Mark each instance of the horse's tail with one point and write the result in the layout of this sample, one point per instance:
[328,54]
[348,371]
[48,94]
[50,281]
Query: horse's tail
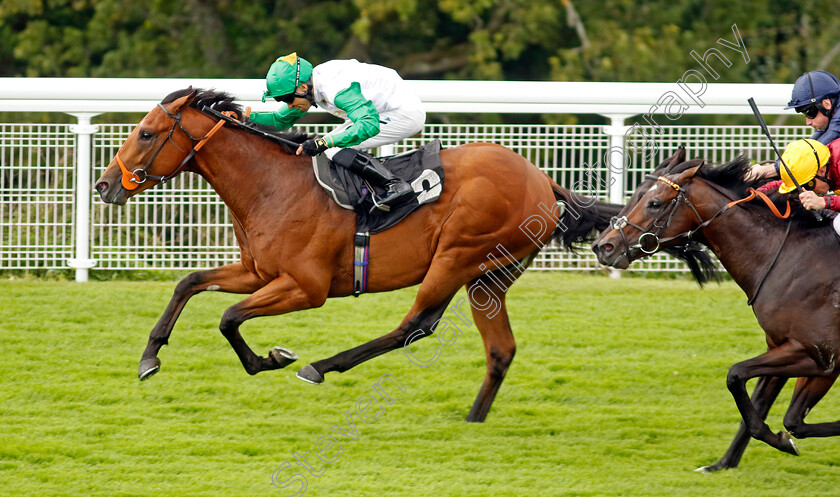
[581,218]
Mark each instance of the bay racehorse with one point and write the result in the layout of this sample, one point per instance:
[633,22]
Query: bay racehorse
[496,212]
[785,265]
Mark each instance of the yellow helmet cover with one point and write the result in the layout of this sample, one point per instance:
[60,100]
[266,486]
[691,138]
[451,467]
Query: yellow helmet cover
[804,158]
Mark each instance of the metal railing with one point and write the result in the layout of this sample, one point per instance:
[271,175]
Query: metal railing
[50,219]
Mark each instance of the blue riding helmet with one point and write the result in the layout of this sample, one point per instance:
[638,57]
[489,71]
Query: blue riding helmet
[813,87]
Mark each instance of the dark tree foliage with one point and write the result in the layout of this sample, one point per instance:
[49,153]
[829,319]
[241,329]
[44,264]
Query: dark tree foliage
[611,40]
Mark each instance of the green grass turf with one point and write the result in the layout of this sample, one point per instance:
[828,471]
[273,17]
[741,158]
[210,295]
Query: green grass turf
[618,388]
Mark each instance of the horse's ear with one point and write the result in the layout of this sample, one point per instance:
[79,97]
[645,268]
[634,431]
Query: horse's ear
[683,166]
[689,173]
[678,157]
[176,105]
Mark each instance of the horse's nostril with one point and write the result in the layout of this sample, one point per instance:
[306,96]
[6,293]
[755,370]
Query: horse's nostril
[101,186]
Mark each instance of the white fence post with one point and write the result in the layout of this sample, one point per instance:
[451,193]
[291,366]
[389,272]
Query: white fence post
[83,131]
[617,130]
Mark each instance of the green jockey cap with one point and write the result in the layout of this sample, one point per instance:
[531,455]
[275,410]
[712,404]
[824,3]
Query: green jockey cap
[285,75]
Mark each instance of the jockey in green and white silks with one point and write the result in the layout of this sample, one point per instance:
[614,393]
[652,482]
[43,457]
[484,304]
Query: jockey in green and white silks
[376,104]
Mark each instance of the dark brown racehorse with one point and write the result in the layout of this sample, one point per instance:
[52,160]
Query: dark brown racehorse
[494,215]
[785,266]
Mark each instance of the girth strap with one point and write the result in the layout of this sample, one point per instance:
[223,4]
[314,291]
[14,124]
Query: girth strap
[770,266]
[361,242]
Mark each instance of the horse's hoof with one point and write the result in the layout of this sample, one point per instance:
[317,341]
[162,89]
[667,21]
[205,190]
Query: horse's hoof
[148,367]
[786,444]
[714,468]
[308,373]
[282,356]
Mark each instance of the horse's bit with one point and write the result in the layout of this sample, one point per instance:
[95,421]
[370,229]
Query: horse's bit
[619,223]
[131,180]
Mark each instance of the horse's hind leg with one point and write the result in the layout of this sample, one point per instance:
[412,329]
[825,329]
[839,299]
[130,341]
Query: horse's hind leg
[806,394]
[438,287]
[233,278]
[492,321]
[766,390]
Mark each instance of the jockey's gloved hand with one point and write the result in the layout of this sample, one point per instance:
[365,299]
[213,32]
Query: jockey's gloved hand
[250,124]
[314,146]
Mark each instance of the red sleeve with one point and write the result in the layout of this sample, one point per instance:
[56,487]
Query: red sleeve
[835,203]
[770,187]
[833,169]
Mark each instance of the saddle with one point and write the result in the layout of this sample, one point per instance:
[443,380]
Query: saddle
[421,168]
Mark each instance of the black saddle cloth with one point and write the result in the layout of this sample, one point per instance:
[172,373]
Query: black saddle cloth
[421,168]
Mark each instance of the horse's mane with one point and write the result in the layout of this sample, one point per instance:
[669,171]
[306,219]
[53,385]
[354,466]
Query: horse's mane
[223,101]
[732,177]
[698,259]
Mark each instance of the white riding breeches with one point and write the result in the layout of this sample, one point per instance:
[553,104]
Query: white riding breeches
[394,125]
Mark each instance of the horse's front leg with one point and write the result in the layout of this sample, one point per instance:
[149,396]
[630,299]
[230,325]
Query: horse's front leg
[765,393]
[283,294]
[233,278]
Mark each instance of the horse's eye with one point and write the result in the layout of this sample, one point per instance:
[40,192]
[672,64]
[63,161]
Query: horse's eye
[145,135]
[654,204]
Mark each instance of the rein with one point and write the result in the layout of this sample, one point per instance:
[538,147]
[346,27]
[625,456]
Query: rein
[248,127]
[131,180]
[753,194]
[618,223]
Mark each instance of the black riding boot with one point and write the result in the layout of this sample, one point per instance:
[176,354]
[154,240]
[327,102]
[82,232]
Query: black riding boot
[370,169]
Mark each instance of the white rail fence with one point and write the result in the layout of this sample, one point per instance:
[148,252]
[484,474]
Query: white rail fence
[51,219]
